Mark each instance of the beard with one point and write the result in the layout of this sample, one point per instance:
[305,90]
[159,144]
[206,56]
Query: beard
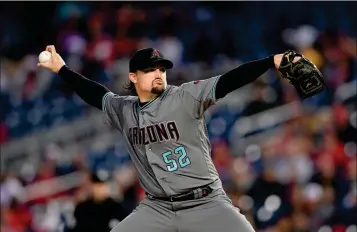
[157,90]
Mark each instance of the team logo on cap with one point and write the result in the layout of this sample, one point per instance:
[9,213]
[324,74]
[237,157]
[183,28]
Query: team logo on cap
[155,54]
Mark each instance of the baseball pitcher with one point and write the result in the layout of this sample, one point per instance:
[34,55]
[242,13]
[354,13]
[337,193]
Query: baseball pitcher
[165,133]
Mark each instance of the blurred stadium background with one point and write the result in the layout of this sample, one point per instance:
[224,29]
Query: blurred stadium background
[288,165]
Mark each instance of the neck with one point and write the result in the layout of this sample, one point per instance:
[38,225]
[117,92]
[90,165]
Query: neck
[146,97]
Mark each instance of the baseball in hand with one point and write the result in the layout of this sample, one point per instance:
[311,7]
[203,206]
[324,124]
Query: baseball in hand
[44,57]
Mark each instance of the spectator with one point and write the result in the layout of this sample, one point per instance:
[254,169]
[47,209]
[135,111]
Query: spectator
[17,217]
[100,212]
[259,100]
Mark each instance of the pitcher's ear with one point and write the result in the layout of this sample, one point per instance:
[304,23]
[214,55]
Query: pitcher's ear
[133,78]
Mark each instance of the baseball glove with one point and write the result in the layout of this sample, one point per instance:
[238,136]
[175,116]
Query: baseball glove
[302,74]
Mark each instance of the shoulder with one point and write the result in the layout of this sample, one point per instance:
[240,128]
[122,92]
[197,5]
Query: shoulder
[130,99]
[178,91]
[123,98]
[172,92]
[171,89]
[175,89]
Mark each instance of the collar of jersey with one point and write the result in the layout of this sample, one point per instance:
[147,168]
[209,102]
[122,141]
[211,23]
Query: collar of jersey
[152,101]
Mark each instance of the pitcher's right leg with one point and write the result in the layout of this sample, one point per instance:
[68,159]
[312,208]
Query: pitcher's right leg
[148,217]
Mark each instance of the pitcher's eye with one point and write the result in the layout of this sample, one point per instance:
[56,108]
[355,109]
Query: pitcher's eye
[163,69]
[148,70]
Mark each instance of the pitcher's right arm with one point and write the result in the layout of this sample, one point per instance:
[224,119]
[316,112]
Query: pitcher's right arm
[90,91]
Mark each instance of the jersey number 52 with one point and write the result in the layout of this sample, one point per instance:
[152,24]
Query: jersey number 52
[183,159]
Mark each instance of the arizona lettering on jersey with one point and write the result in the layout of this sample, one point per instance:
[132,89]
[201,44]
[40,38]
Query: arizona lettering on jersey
[159,132]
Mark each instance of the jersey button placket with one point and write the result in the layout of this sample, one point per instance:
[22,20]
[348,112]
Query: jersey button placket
[141,125]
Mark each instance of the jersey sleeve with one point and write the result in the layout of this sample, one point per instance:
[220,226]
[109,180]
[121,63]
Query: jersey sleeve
[198,96]
[112,107]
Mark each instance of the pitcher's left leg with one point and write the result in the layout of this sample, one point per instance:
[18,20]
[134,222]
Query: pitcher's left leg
[219,215]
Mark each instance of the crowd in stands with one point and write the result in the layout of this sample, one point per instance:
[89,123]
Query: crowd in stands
[300,178]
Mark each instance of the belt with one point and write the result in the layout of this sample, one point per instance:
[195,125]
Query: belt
[191,195]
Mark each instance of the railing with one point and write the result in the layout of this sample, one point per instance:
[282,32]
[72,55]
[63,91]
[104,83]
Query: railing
[52,186]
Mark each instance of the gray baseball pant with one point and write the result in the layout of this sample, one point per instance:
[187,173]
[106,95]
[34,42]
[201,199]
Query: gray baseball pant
[214,213]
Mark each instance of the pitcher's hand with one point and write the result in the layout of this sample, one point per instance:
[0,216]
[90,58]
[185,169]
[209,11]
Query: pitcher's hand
[55,63]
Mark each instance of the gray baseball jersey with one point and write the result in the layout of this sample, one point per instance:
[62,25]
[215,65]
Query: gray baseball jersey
[167,138]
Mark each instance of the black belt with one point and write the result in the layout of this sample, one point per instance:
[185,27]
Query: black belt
[191,195]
